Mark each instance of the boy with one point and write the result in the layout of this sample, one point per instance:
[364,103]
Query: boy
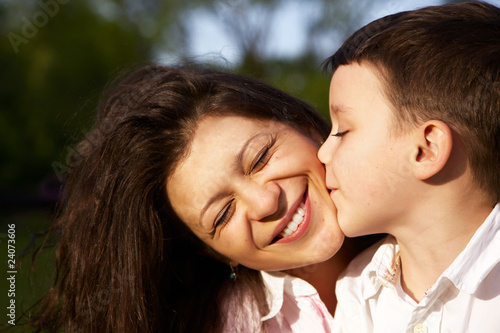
[415,153]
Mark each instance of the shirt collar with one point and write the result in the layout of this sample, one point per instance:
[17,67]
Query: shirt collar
[278,283]
[479,257]
[466,272]
[384,269]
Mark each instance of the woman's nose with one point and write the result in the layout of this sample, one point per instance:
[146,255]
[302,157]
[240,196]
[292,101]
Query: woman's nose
[262,201]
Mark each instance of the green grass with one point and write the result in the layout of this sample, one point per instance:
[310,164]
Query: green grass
[32,281]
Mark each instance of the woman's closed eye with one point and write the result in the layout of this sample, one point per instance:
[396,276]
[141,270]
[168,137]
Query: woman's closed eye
[261,159]
[223,217]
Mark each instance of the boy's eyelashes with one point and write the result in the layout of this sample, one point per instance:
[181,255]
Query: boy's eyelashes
[339,134]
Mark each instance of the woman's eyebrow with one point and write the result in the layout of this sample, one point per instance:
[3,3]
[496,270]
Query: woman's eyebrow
[238,162]
[213,199]
[244,148]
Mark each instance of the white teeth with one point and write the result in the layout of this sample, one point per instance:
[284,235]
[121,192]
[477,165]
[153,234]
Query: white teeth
[301,211]
[293,225]
[297,219]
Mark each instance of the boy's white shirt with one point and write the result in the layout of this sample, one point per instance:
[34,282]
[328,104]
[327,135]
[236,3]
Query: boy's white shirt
[465,298]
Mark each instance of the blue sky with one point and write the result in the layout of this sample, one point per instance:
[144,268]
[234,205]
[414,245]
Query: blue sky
[287,35]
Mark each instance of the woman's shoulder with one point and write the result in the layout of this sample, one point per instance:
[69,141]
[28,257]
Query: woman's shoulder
[295,305]
[241,312]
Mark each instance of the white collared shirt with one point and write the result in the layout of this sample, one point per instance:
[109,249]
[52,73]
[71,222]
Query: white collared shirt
[465,298]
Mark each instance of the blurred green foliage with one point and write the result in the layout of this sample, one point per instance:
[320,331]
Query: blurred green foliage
[51,84]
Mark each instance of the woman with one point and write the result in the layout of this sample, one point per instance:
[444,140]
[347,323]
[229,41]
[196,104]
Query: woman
[187,185]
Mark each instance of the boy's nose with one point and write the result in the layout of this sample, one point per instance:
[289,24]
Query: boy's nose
[325,152]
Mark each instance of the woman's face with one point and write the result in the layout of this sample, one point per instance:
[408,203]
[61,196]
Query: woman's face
[255,192]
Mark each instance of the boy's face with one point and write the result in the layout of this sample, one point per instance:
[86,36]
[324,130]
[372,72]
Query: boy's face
[367,164]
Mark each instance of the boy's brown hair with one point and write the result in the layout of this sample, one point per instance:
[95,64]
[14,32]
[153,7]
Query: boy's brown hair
[440,62]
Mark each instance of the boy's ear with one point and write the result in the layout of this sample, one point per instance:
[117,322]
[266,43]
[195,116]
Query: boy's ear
[434,142]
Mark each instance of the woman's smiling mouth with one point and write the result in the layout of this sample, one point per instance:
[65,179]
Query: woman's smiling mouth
[297,219]
[296,226]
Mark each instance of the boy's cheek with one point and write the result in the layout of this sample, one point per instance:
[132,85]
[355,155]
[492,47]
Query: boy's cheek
[329,175]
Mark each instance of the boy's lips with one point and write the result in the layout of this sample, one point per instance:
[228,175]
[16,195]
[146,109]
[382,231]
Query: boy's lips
[288,218]
[331,188]
[331,193]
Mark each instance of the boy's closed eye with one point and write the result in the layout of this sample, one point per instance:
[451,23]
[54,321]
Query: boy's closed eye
[340,134]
